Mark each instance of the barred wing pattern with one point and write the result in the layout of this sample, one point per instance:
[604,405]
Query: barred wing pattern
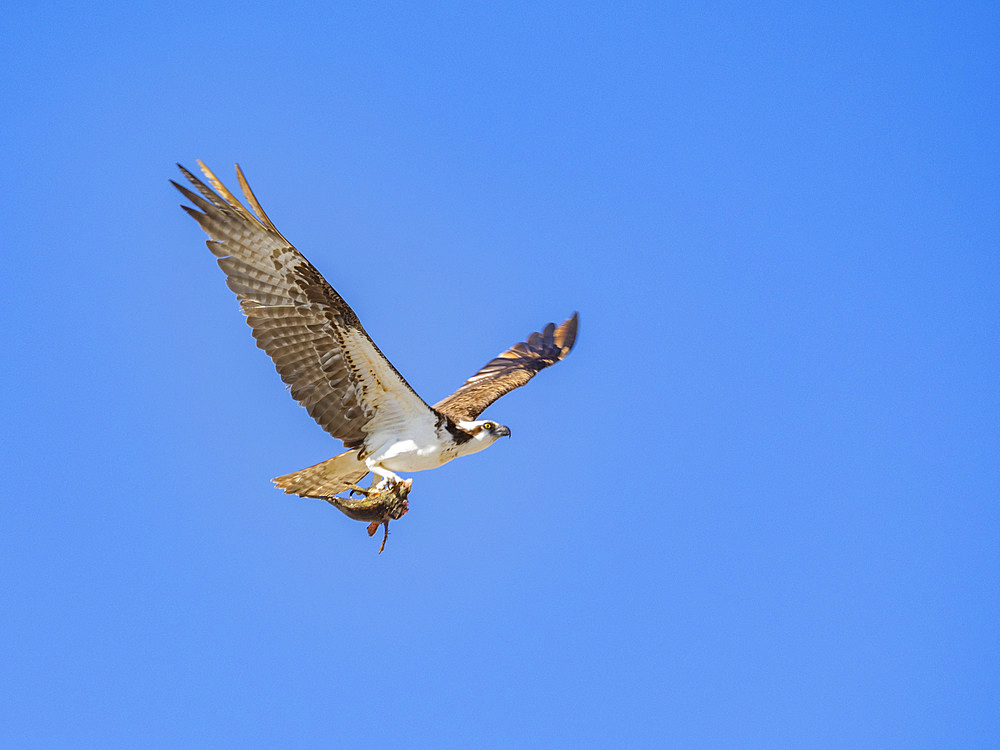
[511,369]
[330,364]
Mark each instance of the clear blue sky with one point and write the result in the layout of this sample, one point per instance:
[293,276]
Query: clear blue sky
[757,507]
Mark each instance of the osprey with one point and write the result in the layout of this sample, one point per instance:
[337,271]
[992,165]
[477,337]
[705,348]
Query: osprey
[334,369]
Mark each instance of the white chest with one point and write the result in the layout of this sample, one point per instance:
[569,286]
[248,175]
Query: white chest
[409,455]
[420,455]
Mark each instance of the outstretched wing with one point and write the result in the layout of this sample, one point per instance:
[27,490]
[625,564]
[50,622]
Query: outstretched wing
[511,369]
[317,343]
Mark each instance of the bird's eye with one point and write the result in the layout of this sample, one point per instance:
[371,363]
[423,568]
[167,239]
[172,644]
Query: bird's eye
[488,426]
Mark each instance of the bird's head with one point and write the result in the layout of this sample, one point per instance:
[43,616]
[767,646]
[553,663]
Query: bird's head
[485,431]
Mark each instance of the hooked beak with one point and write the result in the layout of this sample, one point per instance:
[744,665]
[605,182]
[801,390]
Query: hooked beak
[503,431]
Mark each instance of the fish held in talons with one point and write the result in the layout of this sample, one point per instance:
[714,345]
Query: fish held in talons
[377,507]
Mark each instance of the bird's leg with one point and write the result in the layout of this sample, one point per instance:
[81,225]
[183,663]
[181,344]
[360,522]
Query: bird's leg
[355,489]
[388,479]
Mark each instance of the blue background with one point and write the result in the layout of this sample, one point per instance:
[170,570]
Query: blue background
[757,507]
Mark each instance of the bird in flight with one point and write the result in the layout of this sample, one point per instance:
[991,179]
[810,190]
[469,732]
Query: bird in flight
[334,369]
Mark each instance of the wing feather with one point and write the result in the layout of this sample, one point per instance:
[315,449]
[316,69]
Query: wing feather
[318,345]
[509,370]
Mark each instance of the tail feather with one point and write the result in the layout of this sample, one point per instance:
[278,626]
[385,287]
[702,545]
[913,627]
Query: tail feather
[325,479]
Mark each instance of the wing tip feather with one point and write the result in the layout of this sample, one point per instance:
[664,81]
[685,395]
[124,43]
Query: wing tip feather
[565,334]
